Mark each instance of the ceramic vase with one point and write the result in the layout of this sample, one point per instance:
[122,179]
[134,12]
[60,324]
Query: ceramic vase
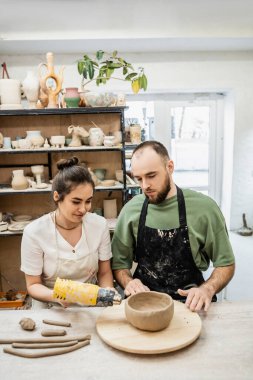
[36,139]
[10,93]
[135,134]
[72,97]
[19,181]
[110,208]
[31,87]
[96,137]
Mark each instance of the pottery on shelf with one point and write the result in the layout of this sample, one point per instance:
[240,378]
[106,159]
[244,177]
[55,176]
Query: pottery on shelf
[50,83]
[118,137]
[24,143]
[94,99]
[37,171]
[135,133]
[96,137]
[10,93]
[150,311]
[78,135]
[119,175]
[100,173]
[109,141]
[1,140]
[7,143]
[19,181]
[110,208]
[94,177]
[57,141]
[36,139]
[31,87]
[72,97]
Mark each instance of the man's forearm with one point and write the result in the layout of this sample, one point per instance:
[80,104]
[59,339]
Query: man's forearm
[219,278]
[122,276]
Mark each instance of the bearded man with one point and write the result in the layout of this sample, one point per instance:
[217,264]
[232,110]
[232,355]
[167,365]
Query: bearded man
[172,234]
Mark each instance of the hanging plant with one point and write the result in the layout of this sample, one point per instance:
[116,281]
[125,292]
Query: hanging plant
[103,67]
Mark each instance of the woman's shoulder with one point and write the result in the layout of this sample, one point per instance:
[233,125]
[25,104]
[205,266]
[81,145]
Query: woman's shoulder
[39,225]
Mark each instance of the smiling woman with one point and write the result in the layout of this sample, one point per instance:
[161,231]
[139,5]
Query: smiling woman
[61,243]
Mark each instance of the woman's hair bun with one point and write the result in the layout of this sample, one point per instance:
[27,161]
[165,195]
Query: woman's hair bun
[67,163]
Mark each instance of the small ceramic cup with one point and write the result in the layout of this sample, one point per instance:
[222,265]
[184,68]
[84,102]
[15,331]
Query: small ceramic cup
[15,144]
[7,143]
[109,141]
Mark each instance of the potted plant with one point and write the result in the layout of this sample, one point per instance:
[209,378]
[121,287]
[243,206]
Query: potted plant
[102,67]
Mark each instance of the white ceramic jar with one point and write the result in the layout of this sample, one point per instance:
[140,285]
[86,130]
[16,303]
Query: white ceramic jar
[19,181]
[96,137]
[31,87]
[109,141]
[36,139]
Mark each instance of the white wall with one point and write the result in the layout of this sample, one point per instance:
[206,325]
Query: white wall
[183,72]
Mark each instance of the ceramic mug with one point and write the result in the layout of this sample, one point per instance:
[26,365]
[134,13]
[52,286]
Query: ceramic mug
[7,143]
[109,141]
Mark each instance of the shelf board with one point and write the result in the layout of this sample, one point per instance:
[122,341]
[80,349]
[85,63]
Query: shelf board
[8,190]
[61,111]
[111,226]
[82,148]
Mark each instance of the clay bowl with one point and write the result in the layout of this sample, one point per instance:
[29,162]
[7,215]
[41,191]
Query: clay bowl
[108,182]
[150,311]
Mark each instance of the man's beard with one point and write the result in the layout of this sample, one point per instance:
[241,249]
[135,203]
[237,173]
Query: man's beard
[162,195]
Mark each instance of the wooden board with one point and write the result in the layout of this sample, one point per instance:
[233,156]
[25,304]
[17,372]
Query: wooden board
[113,329]
[16,303]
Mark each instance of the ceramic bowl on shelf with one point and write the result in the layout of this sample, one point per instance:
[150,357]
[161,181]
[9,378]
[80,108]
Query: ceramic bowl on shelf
[100,173]
[105,99]
[150,311]
[22,218]
[108,182]
[57,141]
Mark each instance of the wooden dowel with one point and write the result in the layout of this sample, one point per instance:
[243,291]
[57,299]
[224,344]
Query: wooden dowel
[53,332]
[45,340]
[44,345]
[60,351]
[56,323]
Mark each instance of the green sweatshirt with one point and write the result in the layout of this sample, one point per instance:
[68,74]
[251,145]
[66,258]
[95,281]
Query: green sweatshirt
[206,225]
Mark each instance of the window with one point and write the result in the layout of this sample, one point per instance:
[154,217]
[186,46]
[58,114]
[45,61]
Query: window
[191,127]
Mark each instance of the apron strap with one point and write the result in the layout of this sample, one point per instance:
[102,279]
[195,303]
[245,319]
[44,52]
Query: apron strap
[142,222]
[181,207]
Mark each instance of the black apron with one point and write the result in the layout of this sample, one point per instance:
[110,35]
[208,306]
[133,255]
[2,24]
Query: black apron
[164,257]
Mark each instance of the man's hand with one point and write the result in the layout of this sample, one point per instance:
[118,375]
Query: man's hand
[197,298]
[135,286]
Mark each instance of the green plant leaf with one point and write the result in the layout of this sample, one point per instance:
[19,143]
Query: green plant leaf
[130,76]
[109,72]
[114,65]
[104,65]
[90,69]
[130,66]
[95,63]
[80,66]
[144,82]
[99,54]
[84,73]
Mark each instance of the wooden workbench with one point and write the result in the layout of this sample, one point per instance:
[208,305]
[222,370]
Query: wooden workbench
[224,349]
